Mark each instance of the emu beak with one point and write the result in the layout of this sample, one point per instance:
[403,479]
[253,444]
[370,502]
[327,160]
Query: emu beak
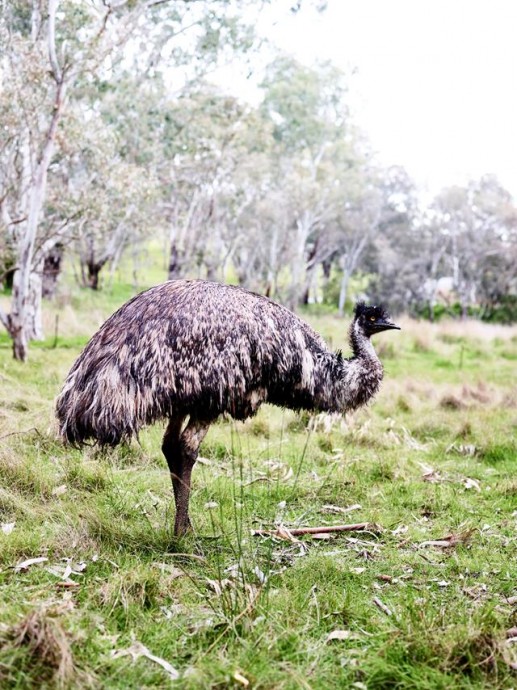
[385,325]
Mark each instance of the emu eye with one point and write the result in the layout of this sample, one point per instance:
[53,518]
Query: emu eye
[372,318]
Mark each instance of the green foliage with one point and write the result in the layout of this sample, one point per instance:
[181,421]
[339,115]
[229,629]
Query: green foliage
[307,104]
[503,311]
[358,286]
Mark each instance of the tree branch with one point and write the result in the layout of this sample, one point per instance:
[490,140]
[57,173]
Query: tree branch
[155,3]
[4,318]
[57,73]
[35,20]
[297,531]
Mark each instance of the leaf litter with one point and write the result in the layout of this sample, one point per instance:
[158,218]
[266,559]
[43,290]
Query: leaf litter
[342,635]
[8,527]
[137,650]
[338,509]
[25,565]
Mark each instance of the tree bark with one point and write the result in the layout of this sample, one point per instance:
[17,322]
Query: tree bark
[93,269]
[174,271]
[51,271]
[343,290]
[25,316]
[303,227]
[33,317]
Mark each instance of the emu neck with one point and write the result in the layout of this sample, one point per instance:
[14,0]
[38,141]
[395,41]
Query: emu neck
[361,344]
[361,374]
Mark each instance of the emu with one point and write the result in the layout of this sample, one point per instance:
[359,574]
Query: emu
[190,350]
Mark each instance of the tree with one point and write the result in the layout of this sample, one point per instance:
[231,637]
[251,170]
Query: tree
[49,61]
[27,156]
[203,191]
[476,223]
[403,246]
[318,155]
[461,250]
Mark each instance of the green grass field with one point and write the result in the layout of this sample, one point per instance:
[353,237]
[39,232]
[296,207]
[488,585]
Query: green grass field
[423,598]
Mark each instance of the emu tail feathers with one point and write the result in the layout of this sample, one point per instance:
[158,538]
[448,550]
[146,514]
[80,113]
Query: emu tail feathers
[97,410]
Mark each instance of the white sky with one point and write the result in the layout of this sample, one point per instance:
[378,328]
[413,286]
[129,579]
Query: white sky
[436,82]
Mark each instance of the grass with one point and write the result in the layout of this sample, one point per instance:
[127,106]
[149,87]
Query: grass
[118,603]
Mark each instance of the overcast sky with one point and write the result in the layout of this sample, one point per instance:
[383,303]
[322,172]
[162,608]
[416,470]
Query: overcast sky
[436,81]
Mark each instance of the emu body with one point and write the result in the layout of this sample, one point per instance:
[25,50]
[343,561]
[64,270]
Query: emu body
[189,351]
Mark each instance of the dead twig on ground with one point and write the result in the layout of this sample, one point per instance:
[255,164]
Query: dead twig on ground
[382,606]
[325,529]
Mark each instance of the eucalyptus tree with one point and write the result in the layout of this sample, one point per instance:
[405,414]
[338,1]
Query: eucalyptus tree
[406,250]
[34,81]
[116,209]
[50,54]
[461,250]
[204,177]
[321,163]
[477,224]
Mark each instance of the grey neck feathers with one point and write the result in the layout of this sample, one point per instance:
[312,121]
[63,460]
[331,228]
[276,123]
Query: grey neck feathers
[361,374]
[361,344]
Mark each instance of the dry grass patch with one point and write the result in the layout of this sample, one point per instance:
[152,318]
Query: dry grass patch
[39,650]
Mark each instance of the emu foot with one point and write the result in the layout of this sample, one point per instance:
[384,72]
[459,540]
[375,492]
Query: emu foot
[182,525]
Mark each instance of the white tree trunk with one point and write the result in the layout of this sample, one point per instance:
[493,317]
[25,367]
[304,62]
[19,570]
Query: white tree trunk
[343,290]
[303,228]
[24,320]
[25,316]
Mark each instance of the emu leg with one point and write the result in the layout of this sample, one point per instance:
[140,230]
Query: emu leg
[171,448]
[180,450]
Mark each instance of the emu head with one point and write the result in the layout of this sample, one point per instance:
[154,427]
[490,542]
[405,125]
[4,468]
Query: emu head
[371,319]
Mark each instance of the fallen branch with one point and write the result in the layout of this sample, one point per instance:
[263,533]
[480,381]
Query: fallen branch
[297,531]
[21,433]
[449,541]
